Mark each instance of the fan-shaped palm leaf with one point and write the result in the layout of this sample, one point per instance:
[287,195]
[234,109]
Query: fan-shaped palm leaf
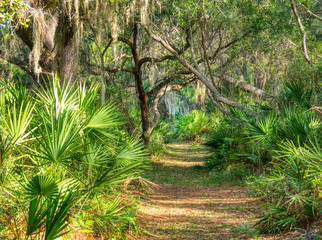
[88,96]
[60,97]
[41,186]
[132,152]
[104,120]
[16,122]
[57,216]
[36,215]
[60,138]
[264,130]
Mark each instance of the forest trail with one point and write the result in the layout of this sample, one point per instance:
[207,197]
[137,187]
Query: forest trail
[187,206]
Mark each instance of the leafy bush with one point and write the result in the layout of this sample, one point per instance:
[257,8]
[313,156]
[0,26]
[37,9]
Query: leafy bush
[157,145]
[60,150]
[111,218]
[297,92]
[193,125]
[293,190]
[285,148]
[221,143]
[299,125]
[234,174]
[290,141]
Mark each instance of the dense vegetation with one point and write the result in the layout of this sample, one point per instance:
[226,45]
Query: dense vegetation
[90,90]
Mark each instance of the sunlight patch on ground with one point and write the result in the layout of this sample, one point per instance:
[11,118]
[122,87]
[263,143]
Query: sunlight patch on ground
[172,162]
[194,211]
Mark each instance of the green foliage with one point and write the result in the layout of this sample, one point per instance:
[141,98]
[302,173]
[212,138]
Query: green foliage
[297,93]
[292,191]
[300,126]
[57,156]
[263,132]
[159,138]
[222,143]
[233,174]
[285,148]
[111,218]
[192,125]
[47,207]
[13,9]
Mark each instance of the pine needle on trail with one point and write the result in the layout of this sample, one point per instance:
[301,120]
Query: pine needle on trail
[187,206]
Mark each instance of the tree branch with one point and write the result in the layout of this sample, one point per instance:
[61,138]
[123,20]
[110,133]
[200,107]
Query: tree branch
[298,19]
[162,84]
[160,94]
[246,87]
[96,70]
[224,111]
[311,13]
[22,64]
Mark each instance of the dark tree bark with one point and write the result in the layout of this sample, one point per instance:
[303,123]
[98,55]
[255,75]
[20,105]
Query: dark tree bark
[58,40]
[143,98]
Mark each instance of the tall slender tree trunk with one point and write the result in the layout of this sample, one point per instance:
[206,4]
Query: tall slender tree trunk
[143,98]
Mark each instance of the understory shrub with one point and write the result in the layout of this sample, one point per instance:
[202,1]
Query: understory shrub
[234,174]
[61,152]
[222,142]
[193,125]
[293,189]
[159,138]
[284,148]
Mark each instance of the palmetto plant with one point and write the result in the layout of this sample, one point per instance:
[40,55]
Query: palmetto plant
[48,207]
[263,136]
[56,144]
[221,143]
[264,130]
[193,125]
[292,188]
[297,92]
[295,185]
[300,126]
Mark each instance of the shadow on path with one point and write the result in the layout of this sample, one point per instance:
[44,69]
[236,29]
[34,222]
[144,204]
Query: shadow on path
[183,207]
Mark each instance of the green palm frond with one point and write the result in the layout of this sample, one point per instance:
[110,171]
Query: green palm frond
[132,152]
[58,97]
[57,216]
[36,215]
[59,137]
[16,122]
[312,155]
[275,220]
[300,126]
[5,146]
[41,186]
[104,118]
[88,96]
[264,130]
[303,162]
[16,92]
[112,176]
[299,93]
[48,207]
[70,153]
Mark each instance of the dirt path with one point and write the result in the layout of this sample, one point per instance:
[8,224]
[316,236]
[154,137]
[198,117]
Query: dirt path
[188,206]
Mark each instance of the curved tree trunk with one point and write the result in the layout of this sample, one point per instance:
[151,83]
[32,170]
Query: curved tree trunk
[56,47]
